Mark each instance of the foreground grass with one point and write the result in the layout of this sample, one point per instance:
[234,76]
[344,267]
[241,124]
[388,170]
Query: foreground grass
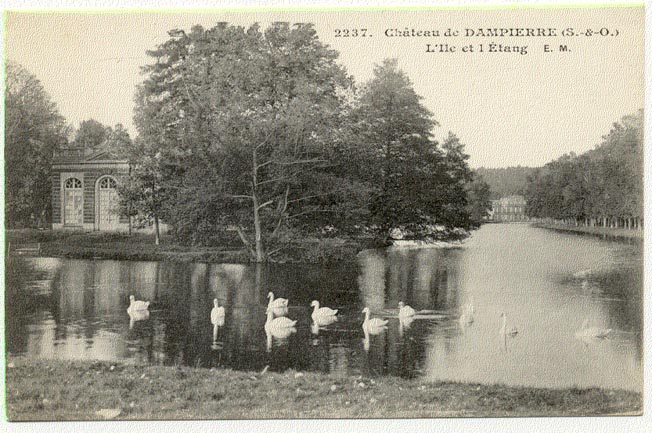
[67,390]
[597,231]
[118,246]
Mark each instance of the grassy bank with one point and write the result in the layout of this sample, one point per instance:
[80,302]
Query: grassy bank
[66,390]
[619,233]
[95,245]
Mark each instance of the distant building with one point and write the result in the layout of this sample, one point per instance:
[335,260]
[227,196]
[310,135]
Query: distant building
[508,209]
[84,190]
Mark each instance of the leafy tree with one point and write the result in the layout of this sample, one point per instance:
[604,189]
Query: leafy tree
[451,188]
[244,121]
[34,130]
[90,134]
[395,152]
[141,194]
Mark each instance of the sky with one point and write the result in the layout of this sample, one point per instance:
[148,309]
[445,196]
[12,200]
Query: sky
[508,109]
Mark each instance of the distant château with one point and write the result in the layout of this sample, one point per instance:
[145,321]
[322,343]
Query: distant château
[84,190]
[508,209]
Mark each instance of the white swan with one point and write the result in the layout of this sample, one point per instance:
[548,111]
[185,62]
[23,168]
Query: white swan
[217,313]
[511,332]
[592,332]
[276,303]
[322,321]
[137,316]
[280,328]
[281,334]
[373,326]
[279,311]
[279,323]
[405,310]
[321,312]
[137,305]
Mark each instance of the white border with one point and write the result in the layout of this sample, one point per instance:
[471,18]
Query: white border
[566,425]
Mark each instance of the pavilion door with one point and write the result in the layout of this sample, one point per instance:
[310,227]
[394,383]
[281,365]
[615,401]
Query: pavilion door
[108,215]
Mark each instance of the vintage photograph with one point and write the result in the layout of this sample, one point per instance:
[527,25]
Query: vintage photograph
[323,213]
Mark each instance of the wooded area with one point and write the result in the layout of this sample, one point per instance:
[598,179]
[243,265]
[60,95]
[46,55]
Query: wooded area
[262,132]
[506,181]
[602,187]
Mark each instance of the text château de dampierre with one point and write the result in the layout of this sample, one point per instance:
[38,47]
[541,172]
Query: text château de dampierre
[478,32]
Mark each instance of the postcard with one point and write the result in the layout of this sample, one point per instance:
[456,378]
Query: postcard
[324,213]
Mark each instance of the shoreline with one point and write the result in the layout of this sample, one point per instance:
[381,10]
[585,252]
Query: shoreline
[141,247]
[603,232]
[40,390]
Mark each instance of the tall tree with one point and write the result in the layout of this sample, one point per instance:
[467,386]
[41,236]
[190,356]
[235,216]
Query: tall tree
[450,191]
[244,120]
[393,136]
[34,130]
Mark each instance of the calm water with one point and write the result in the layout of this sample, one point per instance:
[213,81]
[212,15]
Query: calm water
[547,284]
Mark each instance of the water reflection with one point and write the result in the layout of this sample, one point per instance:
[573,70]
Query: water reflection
[76,309]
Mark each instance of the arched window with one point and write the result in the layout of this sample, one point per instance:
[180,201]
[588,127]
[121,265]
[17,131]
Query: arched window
[73,202]
[73,183]
[107,204]
[108,183]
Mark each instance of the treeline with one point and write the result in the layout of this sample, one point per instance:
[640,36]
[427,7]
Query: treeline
[506,181]
[262,135]
[602,187]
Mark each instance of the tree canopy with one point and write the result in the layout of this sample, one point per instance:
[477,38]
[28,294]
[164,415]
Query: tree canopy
[90,134]
[602,186]
[264,132]
[34,130]
[506,181]
[244,120]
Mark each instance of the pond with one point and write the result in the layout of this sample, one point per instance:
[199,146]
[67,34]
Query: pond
[547,284]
